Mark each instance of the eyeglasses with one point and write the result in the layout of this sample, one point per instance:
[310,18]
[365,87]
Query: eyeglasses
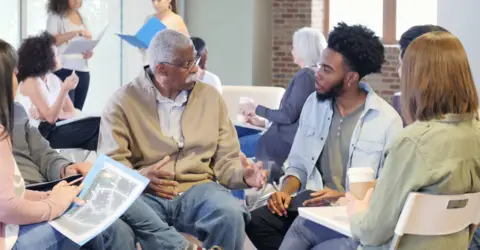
[188,65]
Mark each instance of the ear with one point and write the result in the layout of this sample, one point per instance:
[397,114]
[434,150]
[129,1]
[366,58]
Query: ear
[161,69]
[352,78]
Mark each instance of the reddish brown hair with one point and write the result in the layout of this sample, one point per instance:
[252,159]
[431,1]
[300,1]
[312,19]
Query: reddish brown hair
[436,79]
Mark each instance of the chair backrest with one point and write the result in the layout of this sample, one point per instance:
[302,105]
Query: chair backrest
[433,215]
[269,97]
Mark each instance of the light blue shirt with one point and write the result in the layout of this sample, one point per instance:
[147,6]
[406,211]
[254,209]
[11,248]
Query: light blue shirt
[378,125]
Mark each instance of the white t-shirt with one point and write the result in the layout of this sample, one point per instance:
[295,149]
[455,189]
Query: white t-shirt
[50,90]
[59,25]
[11,230]
[213,80]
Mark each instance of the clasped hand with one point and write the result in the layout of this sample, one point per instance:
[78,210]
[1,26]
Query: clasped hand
[161,183]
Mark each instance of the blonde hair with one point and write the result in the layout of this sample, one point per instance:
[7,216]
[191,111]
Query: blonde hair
[436,79]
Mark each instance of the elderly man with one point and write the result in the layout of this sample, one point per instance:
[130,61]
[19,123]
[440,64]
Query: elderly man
[38,162]
[176,131]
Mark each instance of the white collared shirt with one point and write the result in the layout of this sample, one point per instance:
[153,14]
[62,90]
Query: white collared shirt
[170,115]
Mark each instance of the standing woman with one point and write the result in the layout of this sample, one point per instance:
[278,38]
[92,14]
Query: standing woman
[66,23]
[166,11]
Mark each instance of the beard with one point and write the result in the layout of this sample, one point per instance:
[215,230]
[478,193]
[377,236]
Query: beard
[332,93]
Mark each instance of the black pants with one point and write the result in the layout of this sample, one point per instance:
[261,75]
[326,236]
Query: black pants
[78,134]
[267,230]
[79,94]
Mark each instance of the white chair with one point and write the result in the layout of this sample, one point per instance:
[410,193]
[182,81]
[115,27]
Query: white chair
[435,215]
[269,97]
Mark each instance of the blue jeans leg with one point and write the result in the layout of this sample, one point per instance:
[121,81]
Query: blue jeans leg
[212,214]
[42,236]
[151,216]
[118,236]
[249,144]
[306,235]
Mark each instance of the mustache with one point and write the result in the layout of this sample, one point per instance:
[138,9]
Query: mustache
[192,78]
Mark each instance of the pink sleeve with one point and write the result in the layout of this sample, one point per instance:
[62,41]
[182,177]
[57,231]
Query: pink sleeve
[35,196]
[15,210]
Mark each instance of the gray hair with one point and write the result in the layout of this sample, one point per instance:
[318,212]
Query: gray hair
[163,46]
[308,44]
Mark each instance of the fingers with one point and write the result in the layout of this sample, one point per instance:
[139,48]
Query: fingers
[162,163]
[78,201]
[162,174]
[163,182]
[162,192]
[286,202]
[62,183]
[272,206]
[368,195]
[320,192]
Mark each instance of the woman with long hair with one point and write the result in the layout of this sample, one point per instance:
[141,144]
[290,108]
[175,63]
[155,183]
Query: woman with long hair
[23,213]
[66,23]
[437,153]
[46,99]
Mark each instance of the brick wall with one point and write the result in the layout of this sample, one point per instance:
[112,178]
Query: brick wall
[290,15]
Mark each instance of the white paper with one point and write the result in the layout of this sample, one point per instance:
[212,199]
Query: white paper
[335,217]
[81,45]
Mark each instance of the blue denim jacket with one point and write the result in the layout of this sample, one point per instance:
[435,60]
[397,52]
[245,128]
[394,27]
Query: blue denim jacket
[376,128]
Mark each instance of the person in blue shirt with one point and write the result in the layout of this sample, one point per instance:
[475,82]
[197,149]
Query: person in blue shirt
[344,124]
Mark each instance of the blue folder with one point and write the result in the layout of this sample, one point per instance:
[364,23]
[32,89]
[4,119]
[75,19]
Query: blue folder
[145,34]
[244,131]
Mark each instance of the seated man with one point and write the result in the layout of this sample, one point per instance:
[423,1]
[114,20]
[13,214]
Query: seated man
[344,124]
[38,162]
[166,114]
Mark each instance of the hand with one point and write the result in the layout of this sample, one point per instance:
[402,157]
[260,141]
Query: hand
[355,206]
[88,54]
[85,33]
[35,114]
[160,184]
[279,202]
[78,168]
[323,197]
[70,82]
[255,120]
[253,174]
[65,194]
[247,108]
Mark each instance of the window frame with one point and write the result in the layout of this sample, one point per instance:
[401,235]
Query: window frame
[389,21]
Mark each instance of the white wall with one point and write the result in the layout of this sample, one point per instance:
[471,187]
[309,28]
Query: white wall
[461,18]
[134,14]
[238,37]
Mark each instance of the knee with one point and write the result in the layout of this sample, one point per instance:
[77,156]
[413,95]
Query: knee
[232,214]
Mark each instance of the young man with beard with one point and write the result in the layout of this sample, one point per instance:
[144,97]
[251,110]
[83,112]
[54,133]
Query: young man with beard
[344,124]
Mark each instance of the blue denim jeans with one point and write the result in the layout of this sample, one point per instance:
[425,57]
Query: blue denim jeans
[207,211]
[306,235]
[42,236]
[150,230]
[475,244]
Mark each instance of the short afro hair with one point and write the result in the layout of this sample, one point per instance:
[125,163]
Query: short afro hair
[36,56]
[361,49]
[414,32]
